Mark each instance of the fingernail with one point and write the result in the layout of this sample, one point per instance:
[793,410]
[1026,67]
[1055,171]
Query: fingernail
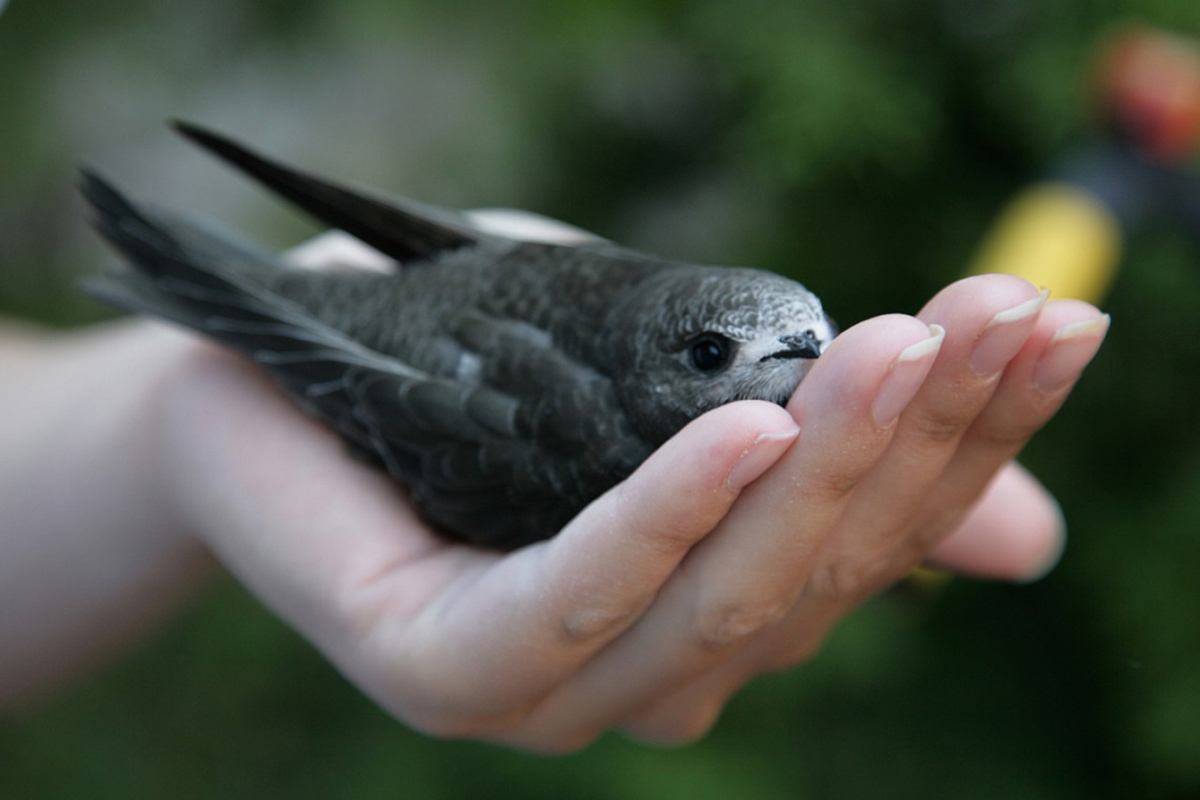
[906,376]
[1004,335]
[1069,351]
[759,456]
[1055,554]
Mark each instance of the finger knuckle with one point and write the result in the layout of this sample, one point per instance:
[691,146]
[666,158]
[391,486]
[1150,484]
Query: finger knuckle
[823,582]
[942,424]
[597,619]
[849,579]
[1009,435]
[796,653]
[678,535]
[721,624]
[832,484]
[676,527]
[588,608]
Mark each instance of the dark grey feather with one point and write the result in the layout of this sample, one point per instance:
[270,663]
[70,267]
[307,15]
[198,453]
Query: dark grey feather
[405,233]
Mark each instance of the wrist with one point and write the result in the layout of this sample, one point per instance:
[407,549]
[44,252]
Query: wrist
[94,553]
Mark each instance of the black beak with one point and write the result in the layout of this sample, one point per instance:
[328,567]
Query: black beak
[802,345]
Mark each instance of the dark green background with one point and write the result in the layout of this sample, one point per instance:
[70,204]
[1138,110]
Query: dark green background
[863,147]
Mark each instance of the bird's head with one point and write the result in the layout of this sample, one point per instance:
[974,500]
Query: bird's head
[698,337]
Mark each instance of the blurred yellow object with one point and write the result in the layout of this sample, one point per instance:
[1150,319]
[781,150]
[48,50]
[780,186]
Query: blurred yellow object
[1058,237]
[925,578]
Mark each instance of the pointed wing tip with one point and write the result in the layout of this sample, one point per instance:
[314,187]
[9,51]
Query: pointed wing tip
[210,140]
[400,232]
[103,197]
[89,181]
[188,130]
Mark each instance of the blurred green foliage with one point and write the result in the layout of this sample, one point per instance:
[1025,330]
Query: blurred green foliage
[863,147]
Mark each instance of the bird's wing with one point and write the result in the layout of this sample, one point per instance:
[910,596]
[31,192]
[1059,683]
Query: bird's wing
[500,457]
[402,229]
[556,436]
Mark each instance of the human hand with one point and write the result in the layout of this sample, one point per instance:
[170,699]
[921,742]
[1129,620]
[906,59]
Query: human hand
[732,551]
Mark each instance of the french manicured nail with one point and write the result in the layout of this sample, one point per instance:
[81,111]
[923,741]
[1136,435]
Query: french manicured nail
[759,456]
[1004,335]
[1069,351]
[906,376]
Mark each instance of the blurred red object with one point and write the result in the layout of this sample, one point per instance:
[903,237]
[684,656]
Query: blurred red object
[1149,84]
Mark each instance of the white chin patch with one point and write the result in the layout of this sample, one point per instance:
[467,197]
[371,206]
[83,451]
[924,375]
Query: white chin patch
[776,380]
[825,334]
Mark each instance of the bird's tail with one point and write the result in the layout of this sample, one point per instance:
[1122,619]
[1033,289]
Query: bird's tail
[188,275]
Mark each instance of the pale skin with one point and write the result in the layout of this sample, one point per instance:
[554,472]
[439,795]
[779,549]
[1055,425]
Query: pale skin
[133,456]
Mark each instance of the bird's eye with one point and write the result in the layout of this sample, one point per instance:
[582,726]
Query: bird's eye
[710,352]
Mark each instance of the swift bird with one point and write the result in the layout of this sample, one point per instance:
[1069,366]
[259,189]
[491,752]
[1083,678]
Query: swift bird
[506,383]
